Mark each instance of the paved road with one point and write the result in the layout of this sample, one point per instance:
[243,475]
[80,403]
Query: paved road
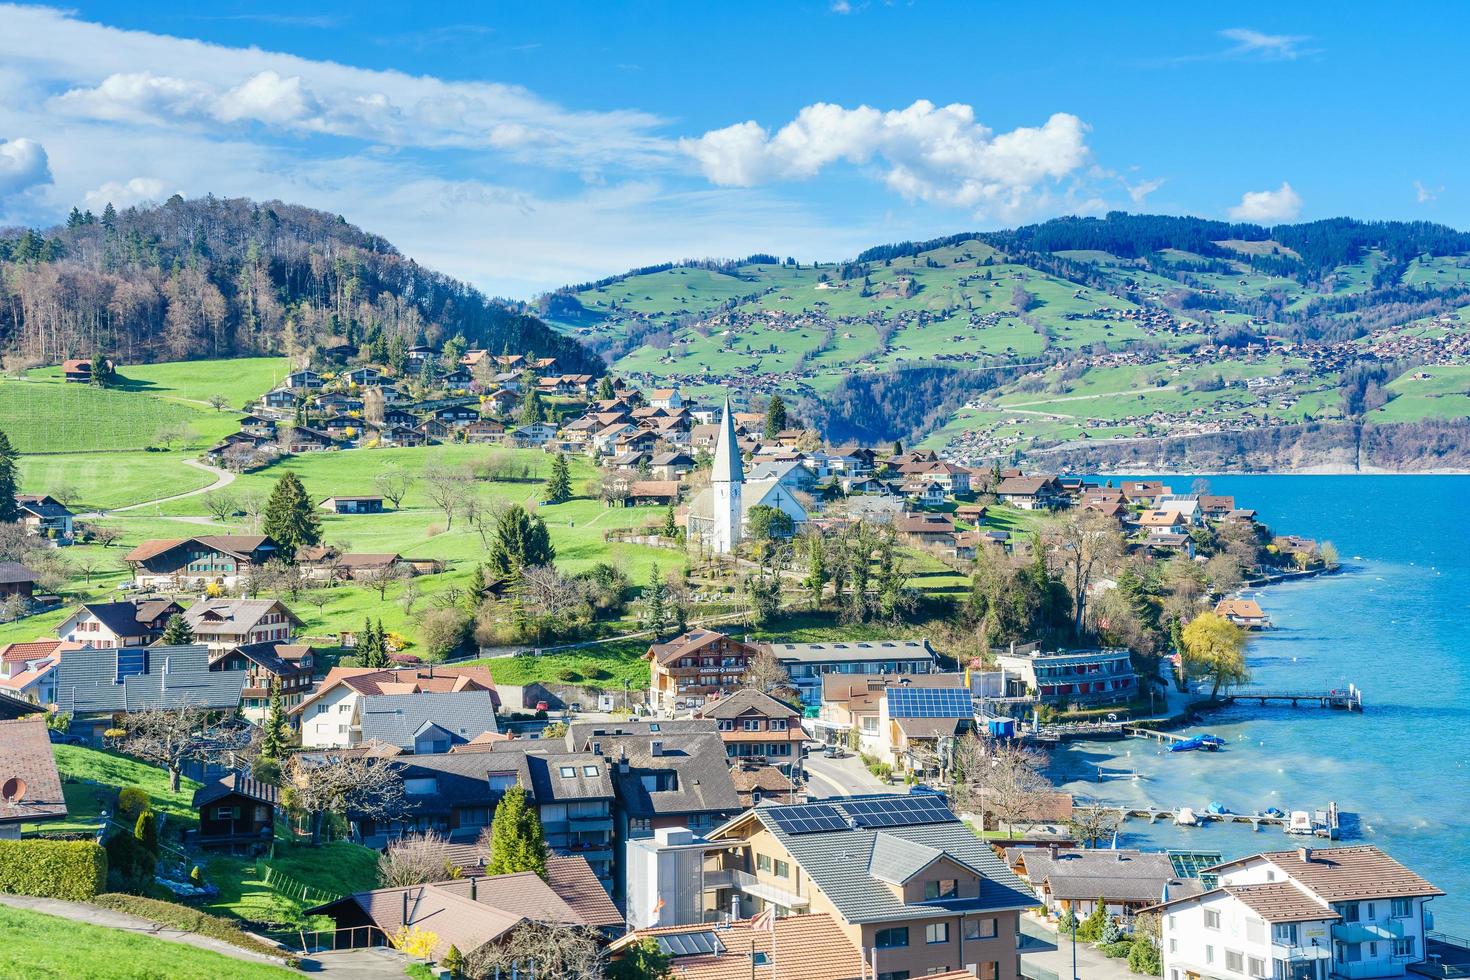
[841,777]
[1044,957]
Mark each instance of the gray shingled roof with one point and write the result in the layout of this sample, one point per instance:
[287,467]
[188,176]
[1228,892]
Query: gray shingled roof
[838,862]
[744,700]
[86,681]
[398,718]
[701,762]
[463,779]
[1123,874]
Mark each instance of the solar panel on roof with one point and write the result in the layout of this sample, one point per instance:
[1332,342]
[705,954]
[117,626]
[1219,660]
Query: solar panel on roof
[690,944]
[810,818]
[930,702]
[900,811]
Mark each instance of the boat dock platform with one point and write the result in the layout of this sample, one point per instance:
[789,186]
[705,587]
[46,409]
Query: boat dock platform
[1325,823]
[1348,700]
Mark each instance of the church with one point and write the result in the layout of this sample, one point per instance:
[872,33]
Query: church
[719,514]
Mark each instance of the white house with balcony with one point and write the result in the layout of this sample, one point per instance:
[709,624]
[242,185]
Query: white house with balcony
[1339,913]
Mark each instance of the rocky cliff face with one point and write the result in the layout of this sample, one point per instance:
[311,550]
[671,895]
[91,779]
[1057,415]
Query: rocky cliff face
[1415,447]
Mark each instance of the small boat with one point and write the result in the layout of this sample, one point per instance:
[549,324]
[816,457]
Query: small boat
[1189,744]
[1275,812]
[1301,823]
[1217,809]
[1186,818]
[1212,743]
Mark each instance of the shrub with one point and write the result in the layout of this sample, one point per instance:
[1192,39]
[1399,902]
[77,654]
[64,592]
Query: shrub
[129,864]
[146,830]
[73,870]
[196,877]
[1118,950]
[131,800]
[1144,958]
[568,675]
[444,631]
[600,674]
[1092,927]
[190,920]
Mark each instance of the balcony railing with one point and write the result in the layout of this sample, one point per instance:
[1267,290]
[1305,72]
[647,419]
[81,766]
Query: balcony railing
[748,883]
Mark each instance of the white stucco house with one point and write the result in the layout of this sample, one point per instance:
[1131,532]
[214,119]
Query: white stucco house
[1338,913]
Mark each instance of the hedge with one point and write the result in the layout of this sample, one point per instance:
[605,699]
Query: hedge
[74,870]
[188,919]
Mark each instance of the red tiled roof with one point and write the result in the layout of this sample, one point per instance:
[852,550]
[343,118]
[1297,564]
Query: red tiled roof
[811,947]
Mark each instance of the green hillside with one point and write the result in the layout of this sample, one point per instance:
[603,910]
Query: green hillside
[1129,326]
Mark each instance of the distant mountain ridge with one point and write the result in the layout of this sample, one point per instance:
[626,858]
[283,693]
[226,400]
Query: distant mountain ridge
[222,277]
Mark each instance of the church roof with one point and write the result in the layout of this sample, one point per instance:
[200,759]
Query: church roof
[727,467]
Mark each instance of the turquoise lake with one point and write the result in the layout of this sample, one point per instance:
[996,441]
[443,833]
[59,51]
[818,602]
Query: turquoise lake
[1396,622]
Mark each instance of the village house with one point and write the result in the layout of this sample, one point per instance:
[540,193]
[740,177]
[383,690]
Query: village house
[908,884]
[94,686]
[689,669]
[914,720]
[808,663]
[1143,491]
[756,725]
[224,624]
[301,381]
[484,431]
[924,492]
[1076,677]
[1309,913]
[925,529]
[272,668]
[665,398]
[46,516]
[1126,880]
[472,911]
[660,492]
[1031,492]
[851,705]
[128,623]
[1162,522]
[28,669]
[224,559]
[1216,507]
[326,717]
[1245,613]
[456,794]
[301,439]
[423,722]
[811,947]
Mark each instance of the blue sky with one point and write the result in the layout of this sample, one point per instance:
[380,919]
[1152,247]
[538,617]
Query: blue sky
[521,146]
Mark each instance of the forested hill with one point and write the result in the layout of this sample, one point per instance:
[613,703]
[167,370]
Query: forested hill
[220,277]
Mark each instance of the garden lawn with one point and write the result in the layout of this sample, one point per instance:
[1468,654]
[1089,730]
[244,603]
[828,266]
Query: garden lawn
[619,660]
[79,764]
[340,866]
[45,946]
[110,480]
[42,416]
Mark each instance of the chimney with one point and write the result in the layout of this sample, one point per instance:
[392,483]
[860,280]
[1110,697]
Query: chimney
[1305,853]
[163,676]
[622,760]
[474,887]
[1053,849]
[655,749]
[405,906]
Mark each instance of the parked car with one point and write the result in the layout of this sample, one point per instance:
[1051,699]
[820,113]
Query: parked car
[834,752]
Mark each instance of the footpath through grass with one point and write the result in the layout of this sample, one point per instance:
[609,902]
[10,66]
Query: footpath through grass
[45,946]
[341,867]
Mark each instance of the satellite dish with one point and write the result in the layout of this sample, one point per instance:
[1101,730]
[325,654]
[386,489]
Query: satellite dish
[14,790]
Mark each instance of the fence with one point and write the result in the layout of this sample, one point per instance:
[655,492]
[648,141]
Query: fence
[284,884]
[330,940]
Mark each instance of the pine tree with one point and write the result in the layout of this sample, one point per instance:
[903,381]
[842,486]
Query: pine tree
[816,571]
[477,584]
[559,486]
[290,519]
[276,731]
[517,842]
[532,409]
[177,632]
[9,484]
[671,523]
[605,390]
[372,648]
[775,417]
[658,611]
[109,217]
[146,831]
[521,541]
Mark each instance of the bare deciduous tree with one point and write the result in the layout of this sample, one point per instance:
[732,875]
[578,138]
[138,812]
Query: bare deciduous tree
[1009,782]
[365,787]
[221,505]
[379,579]
[105,536]
[540,949]
[169,737]
[1081,546]
[394,485]
[446,489]
[1091,823]
[766,673]
[415,860]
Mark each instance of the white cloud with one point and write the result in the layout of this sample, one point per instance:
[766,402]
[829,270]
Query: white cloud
[929,153]
[1424,194]
[1282,204]
[108,74]
[23,165]
[840,7]
[1140,191]
[125,194]
[1284,47]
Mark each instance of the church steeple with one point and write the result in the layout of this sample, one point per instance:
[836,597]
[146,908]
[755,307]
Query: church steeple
[727,468]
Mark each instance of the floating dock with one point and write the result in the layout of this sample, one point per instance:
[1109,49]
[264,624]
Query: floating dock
[1325,823]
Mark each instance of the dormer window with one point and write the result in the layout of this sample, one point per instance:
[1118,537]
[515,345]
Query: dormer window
[943,888]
